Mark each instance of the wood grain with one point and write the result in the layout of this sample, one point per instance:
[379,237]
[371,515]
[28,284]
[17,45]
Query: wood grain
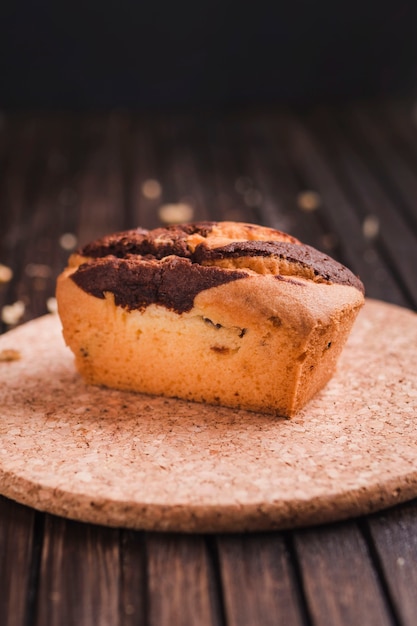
[258,581]
[16,551]
[269,165]
[365,193]
[133,579]
[395,541]
[181,589]
[338,215]
[368,190]
[340,582]
[80,575]
[100,186]
[397,171]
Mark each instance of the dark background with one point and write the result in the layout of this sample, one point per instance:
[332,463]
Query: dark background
[161,54]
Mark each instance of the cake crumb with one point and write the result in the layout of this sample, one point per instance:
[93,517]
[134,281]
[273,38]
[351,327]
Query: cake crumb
[6,274]
[176,213]
[151,189]
[68,241]
[51,305]
[309,200]
[7,355]
[370,227]
[12,313]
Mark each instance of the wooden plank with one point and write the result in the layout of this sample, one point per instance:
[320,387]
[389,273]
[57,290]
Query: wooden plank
[397,240]
[191,168]
[384,232]
[394,534]
[36,183]
[266,154]
[258,581]
[79,576]
[339,578]
[399,121]
[397,172]
[235,190]
[167,168]
[100,181]
[146,191]
[13,190]
[181,586]
[337,210]
[133,581]
[16,550]
[334,211]
[42,257]
[170,153]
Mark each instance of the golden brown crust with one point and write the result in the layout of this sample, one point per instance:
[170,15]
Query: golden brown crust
[247,336]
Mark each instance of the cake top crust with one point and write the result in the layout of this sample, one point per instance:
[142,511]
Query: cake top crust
[170,266]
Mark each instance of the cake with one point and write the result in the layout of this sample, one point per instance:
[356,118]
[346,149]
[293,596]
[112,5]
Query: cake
[225,313]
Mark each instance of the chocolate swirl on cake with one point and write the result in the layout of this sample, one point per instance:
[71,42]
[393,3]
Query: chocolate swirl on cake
[136,283]
[170,266]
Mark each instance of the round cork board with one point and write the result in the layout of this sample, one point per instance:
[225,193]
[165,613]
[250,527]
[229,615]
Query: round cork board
[129,460]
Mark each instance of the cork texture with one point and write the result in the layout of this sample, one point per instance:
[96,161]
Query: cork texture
[123,459]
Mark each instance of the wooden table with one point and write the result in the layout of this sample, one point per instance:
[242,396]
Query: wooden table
[343,180]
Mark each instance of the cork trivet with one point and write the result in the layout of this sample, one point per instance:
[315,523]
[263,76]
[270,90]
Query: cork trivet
[129,460]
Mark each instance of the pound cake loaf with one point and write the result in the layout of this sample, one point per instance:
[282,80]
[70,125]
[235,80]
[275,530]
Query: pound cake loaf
[219,312]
